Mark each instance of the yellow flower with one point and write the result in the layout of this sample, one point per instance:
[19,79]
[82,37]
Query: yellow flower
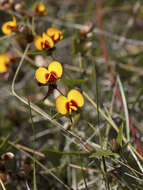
[9,27]
[4,62]
[40,9]
[55,34]
[43,42]
[71,103]
[53,73]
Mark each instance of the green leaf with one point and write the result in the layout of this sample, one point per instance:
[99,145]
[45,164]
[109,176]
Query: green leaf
[97,96]
[120,135]
[104,153]
[71,83]
[37,52]
[4,142]
[127,126]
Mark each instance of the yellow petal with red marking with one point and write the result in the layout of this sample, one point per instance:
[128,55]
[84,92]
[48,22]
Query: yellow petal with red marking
[61,105]
[48,40]
[4,61]
[56,67]
[40,8]
[37,42]
[9,27]
[40,75]
[55,34]
[77,97]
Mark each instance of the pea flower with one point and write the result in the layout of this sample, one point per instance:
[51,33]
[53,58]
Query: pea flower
[43,42]
[4,62]
[40,9]
[71,103]
[50,75]
[9,27]
[55,34]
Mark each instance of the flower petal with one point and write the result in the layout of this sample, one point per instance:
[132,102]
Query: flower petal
[76,96]
[61,105]
[5,29]
[39,8]
[56,67]
[48,40]
[40,75]
[37,42]
[55,34]
[4,58]
[14,21]
[4,61]
[8,27]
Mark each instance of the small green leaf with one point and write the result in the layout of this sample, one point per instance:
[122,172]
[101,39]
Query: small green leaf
[4,142]
[73,82]
[127,126]
[103,153]
[37,52]
[120,135]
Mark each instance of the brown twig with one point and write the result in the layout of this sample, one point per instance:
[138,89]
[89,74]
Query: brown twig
[30,150]
[84,168]
[113,81]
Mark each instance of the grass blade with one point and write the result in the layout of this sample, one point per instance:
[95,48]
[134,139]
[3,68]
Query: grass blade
[125,108]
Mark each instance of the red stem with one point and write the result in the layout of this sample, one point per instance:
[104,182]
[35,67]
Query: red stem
[112,79]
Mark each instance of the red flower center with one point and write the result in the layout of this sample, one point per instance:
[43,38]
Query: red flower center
[45,45]
[53,36]
[11,27]
[71,104]
[6,64]
[42,45]
[38,10]
[51,77]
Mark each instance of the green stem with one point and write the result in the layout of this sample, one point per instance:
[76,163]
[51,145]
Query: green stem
[98,120]
[34,142]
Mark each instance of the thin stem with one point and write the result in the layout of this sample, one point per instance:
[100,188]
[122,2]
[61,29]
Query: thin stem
[98,119]
[2,184]
[60,92]
[34,143]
